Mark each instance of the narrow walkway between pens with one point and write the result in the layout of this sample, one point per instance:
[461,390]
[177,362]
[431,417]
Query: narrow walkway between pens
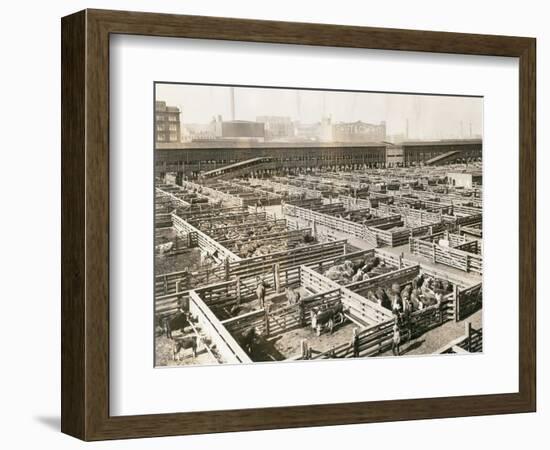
[438,337]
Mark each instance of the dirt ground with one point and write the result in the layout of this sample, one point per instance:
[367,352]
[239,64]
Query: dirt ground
[164,352]
[288,344]
[434,339]
[163,235]
[175,261]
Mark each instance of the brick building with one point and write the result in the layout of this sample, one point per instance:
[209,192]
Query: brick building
[167,123]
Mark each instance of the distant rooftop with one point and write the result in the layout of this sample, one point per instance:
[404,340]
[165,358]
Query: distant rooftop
[254,144]
[442,142]
[214,143]
[161,106]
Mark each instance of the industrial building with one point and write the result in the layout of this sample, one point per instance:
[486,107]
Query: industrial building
[167,123]
[277,127]
[352,132]
[239,130]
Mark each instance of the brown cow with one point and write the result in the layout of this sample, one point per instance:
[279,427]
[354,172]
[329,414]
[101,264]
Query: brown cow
[188,342]
[247,339]
[327,318]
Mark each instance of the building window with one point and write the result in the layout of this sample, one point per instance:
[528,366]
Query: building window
[160,137]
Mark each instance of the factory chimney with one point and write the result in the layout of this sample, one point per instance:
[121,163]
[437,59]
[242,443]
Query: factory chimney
[298,106]
[232,103]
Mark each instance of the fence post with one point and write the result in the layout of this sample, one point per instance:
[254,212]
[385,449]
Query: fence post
[355,343]
[277,278]
[304,347]
[266,320]
[301,311]
[457,303]
[238,289]
[433,253]
[314,229]
[226,266]
[469,334]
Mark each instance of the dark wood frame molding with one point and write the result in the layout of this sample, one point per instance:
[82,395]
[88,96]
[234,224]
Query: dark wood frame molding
[85,224]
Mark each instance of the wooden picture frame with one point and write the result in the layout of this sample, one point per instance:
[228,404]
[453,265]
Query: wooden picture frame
[85,224]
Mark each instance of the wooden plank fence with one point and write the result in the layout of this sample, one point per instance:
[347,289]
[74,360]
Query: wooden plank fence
[365,310]
[213,193]
[205,242]
[364,231]
[271,322]
[377,338]
[469,300]
[449,256]
[388,237]
[226,345]
[352,203]
[470,342]
[335,223]
[166,295]
[175,200]
[400,276]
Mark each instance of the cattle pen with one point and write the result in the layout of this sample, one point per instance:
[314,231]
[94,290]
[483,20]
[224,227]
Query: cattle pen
[305,265]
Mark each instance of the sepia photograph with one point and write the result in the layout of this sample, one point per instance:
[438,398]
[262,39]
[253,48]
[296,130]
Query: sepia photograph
[296,224]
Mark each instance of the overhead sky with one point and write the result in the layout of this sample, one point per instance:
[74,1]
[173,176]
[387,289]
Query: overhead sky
[429,116]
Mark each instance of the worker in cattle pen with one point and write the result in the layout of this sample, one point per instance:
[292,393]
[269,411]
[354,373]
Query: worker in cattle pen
[260,291]
[259,205]
[407,307]
[396,340]
[406,315]
[396,306]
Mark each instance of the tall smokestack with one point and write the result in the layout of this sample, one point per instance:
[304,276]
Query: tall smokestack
[298,106]
[232,103]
